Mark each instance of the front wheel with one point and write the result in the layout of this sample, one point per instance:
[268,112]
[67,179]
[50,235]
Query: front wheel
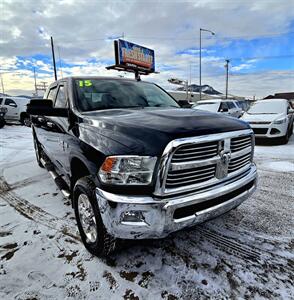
[285,138]
[93,233]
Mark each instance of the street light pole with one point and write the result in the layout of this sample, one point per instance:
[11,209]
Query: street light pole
[200,89]
[200,49]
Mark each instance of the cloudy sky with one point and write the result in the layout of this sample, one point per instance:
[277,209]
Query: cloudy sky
[257,36]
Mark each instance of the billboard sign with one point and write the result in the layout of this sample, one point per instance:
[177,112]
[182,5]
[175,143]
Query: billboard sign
[134,56]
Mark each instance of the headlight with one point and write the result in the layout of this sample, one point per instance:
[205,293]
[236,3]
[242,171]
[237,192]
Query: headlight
[130,170]
[280,121]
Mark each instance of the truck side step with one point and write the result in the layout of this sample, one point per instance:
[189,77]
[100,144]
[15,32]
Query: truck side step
[57,178]
[47,164]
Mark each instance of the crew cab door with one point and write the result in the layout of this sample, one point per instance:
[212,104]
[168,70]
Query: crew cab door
[59,136]
[44,131]
[12,109]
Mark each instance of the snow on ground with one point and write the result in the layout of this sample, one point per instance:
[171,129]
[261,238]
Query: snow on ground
[247,253]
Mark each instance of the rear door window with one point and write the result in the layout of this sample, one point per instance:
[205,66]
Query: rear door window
[231,105]
[1,99]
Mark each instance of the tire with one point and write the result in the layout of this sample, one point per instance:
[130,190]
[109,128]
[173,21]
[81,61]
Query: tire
[285,138]
[95,237]
[38,151]
[291,130]
[27,121]
[2,122]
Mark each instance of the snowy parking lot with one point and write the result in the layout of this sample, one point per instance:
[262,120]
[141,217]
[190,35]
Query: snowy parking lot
[247,253]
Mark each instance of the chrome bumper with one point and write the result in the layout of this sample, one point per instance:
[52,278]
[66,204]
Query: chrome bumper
[142,217]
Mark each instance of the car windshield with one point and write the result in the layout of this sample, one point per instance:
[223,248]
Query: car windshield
[96,94]
[210,106]
[266,108]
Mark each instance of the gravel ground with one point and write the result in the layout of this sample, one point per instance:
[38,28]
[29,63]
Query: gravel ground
[247,253]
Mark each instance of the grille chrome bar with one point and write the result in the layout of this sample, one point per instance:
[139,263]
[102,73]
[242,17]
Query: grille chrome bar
[197,175]
[204,178]
[193,153]
[190,172]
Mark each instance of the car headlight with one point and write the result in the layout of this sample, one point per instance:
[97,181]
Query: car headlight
[129,170]
[280,121]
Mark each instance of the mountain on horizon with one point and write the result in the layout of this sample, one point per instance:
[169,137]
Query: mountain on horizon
[206,89]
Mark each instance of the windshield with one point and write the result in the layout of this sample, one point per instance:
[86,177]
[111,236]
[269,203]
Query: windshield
[96,94]
[266,108]
[210,106]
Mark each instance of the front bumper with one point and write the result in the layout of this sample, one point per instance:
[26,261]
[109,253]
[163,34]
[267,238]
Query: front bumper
[155,218]
[269,131]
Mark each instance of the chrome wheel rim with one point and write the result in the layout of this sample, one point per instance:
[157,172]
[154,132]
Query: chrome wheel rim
[87,218]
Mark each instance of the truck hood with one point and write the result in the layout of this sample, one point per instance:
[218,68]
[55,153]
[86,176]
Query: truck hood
[261,117]
[147,131]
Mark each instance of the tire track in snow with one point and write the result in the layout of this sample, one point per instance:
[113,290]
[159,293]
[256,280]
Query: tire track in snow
[7,165]
[28,181]
[231,246]
[35,213]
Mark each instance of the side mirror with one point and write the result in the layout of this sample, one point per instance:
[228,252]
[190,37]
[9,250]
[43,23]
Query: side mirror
[290,111]
[12,104]
[224,110]
[184,104]
[44,107]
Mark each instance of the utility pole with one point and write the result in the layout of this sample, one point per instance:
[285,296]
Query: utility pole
[36,91]
[200,49]
[53,58]
[227,76]
[200,87]
[2,84]
[60,67]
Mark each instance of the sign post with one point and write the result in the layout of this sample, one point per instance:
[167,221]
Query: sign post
[133,58]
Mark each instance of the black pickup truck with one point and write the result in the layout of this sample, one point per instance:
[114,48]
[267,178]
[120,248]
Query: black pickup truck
[135,164]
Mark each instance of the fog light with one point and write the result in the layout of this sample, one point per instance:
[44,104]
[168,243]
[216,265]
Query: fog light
[132,216]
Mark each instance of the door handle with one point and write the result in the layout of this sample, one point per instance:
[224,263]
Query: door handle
[50,124]
[40,119]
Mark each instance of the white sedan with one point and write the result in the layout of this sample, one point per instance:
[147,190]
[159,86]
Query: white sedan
[271,118]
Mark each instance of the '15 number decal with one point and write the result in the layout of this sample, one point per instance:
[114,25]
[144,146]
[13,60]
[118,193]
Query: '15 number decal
[83,83]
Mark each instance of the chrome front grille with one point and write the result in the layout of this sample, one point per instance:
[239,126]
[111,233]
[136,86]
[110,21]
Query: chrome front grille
[240,143]
[192,152]
[239,162]
[191,164]
[193,176]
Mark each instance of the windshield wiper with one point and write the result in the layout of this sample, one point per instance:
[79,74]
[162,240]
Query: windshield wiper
[260,113]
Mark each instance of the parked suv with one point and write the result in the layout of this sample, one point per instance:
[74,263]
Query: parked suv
[134,163]
[16,109]
[271,118]
[228,107]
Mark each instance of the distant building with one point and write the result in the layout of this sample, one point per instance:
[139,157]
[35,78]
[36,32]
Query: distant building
[288,96]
